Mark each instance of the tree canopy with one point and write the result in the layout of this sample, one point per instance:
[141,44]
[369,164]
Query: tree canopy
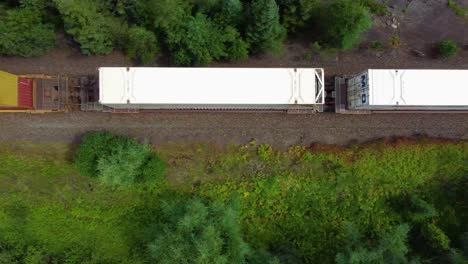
[190,32]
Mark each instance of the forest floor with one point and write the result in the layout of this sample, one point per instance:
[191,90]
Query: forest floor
[416,25]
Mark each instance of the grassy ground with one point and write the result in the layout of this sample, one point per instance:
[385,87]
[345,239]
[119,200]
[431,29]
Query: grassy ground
[288,200]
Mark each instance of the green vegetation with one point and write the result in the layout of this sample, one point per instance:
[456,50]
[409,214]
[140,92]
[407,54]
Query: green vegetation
[24,34]
[264,30]
[90,25]
[117,161]
[141,45]
[388,202]
[377,46]
[459,11]
[446,48]
[194,232]
[342,22]
[190,32]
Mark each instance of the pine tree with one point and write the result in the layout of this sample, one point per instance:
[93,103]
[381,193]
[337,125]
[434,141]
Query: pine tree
[264,31]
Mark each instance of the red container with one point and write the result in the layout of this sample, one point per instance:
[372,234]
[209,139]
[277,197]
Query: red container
[25,93]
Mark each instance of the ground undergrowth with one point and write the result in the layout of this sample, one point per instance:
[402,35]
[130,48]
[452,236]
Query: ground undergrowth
[383,202]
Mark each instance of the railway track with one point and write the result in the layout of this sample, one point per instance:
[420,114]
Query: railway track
[278,129]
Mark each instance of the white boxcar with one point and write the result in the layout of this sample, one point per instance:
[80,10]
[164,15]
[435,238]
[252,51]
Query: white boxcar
[408,90]
[210,88]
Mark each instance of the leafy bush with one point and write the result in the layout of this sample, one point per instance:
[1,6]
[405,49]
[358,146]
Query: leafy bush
[375,7]
[391,247]
[342,22]
[197,233]
[123,166]
[141,45]
[377,45]
[296,15]
[167,15]
[198,42]
[304,201]
[94,29]
[117,161]
[264,31]
[459,10]
[231,13]
[93,147]
[395,41]
[447,48]
[291,206]
[24,34]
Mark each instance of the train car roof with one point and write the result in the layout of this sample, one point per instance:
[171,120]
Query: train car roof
[418,87]
[246,86]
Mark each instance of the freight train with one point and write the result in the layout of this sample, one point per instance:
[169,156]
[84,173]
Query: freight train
[290,90]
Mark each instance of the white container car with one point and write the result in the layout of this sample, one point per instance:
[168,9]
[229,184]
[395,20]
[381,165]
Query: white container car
[211,88]
[410,90]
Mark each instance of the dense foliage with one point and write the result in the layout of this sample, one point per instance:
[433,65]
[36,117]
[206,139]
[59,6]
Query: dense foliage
[117,161]
[381,203]
[141,45]
[89,25]
[197,233]
[446,48]
[191,32]
[342,22]
[24,34]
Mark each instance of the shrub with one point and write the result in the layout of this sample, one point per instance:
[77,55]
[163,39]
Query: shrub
[94,29]
[141,45]
[447,48]
[236,48]
[93,146]
[167,15]
[23,34]
[154,169]
[342,22]
[231,13]
[391,247]
[395,42]
[295,15]
[377,45]
[198,42]
[375,7]
[123,166]
[459,11]
[117,161]
[197,233]
[264,31]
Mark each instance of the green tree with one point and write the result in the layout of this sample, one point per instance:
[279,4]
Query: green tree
[117,161]
[141,45]
[231,13]
[93,28]
[198,42]
[342,22]
[123,167]
[447,48]
[296,14]
[391,247]
[167,15]
[24,34]
[264,31]
[93,146]
[236,48]
[198,233]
